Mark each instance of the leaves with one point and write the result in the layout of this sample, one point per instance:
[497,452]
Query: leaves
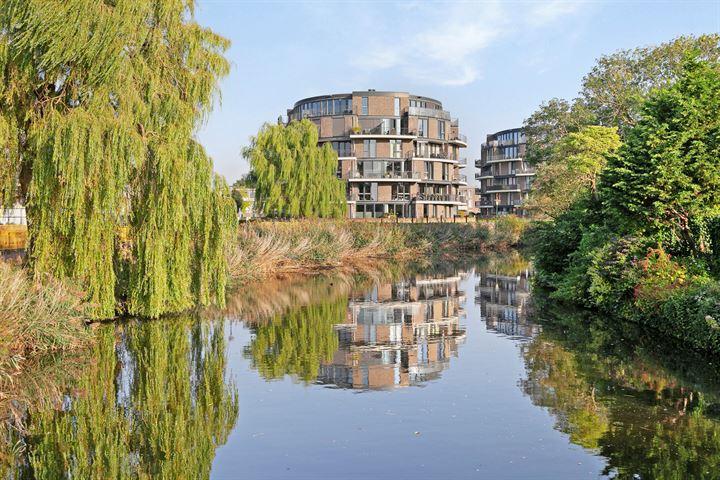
[98,112]
[295,177]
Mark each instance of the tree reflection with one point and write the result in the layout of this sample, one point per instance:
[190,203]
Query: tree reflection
[390,334]
[155,405]
[648,407]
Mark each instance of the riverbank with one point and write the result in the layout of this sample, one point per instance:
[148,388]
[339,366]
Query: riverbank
[630,278]
[38,317]
[267,249]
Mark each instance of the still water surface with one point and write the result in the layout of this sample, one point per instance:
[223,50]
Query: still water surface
[438,373]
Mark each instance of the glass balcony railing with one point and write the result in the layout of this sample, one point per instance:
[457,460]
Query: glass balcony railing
[389,175]
[460,137]
[436,197]
[429,112]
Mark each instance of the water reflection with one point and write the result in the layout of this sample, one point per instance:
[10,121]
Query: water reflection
[503,293]
[393,334]
[155,403]
[650,408]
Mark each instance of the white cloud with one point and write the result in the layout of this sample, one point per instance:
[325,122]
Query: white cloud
[440,43]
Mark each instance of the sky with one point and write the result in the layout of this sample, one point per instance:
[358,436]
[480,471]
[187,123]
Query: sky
[491,63]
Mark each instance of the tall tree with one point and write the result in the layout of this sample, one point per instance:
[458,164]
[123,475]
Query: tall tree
[550,123]
[99,105]
[572,170]
[295,177]
[618,84]
[666,177]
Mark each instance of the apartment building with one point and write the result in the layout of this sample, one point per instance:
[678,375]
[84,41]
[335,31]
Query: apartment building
[504,179]
[400,153]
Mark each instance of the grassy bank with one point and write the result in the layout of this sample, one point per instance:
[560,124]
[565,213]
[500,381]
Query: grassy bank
[37,317]
[267,249]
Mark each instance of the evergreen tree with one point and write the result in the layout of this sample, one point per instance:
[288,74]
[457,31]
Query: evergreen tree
[100,101]
[666,178]
[295,177]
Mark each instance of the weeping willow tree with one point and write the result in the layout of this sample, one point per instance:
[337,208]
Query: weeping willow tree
[295,177]
[100,101]
[157,405]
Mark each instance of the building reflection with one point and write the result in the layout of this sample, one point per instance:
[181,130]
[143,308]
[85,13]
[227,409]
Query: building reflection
[397,334]
[503,297]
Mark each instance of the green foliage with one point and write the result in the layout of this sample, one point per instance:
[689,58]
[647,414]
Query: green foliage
[155,406]
[99,106]
[551,122]
[616,87]
[572,169]
[657,196]
[297,342]
[667,174]
[295,177]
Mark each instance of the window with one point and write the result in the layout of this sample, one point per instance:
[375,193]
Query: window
[395,149]
[401,191]
[445,172]
[369,149]
[441,130]
[396,105]
[429,170]
[422,127]
[364,105]
[365,191]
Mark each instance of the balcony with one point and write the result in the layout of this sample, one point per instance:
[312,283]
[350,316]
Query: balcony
[436,197]
[494,188]
[385,175]
[427,154]
[462,162]
[381,130]
[429,112]
[460,178]
[460,137]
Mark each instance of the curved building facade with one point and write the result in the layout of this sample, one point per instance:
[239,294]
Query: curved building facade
[504,178]
[399,153]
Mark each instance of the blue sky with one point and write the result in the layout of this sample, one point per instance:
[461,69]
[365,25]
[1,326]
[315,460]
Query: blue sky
[491,63]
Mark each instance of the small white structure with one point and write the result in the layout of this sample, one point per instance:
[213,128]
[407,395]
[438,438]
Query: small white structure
[13,216]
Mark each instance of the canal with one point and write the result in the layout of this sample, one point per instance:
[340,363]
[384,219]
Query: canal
[448,371]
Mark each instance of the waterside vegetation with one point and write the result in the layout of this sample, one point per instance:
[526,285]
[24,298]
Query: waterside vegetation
[640,239]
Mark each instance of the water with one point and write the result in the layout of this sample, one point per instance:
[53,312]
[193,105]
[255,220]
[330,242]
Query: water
[442,373]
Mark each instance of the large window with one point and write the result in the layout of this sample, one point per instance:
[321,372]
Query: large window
[401,191]
[429,170]
[396,106]
[365,191]
[364,105]
[422,127]
[369,148]
[395,148]
[343,149]
[441,130]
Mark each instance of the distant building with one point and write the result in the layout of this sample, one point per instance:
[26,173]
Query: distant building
[13,216]
[399,152]
[504,177]
[248,195]
[467,193]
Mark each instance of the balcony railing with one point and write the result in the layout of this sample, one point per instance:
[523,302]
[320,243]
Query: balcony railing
[381,130]
[429,112]
[427,154]
[460,178]
[503,187]
[436,197]
[389,175]
[460,137]
[462,161]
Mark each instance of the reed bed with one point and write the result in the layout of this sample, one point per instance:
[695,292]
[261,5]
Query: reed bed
[36,317]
